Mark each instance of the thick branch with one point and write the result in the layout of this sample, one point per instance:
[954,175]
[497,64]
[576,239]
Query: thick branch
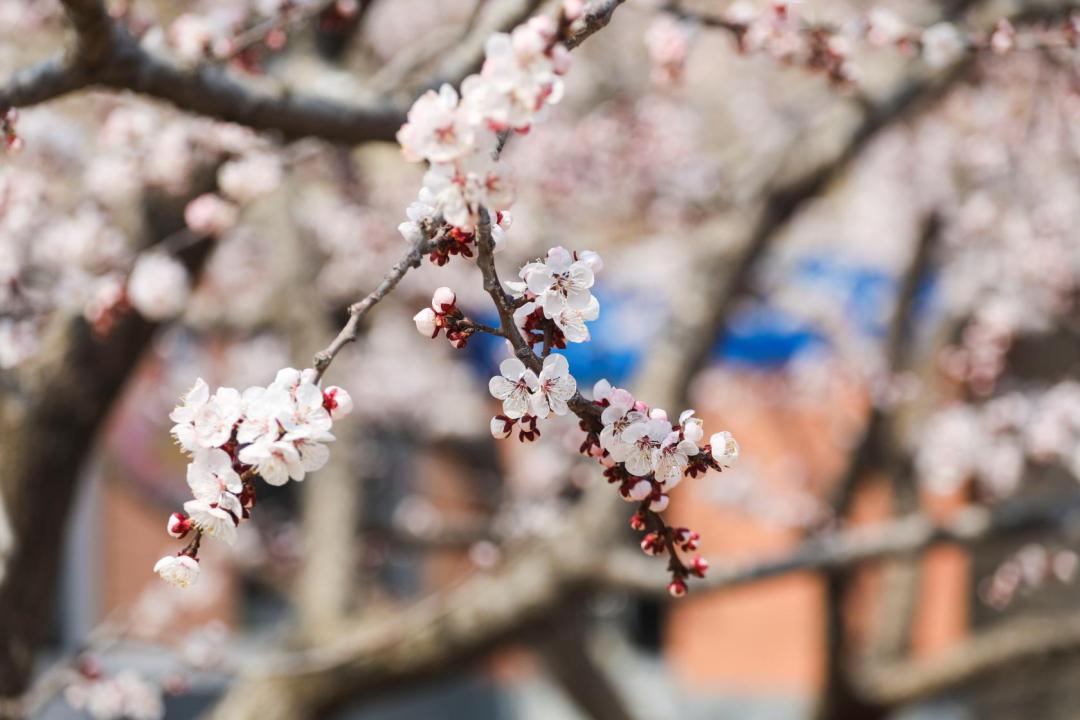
[37,483]
[568,661]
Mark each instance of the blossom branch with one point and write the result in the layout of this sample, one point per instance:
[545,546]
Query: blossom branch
[411,259]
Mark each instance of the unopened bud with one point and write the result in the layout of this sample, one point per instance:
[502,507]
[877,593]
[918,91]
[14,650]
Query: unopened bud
[178,525]
[443,300]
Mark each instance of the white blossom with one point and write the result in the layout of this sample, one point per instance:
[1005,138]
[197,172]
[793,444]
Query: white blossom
[560,282]
[127,696]
[691,426]
[640,490]
[214,420]
[639,440]
[178,570]
[184,414]
[513,386]
[250,177]
[554,387]
[210,475]
[262,409]
[214,520]
[274,460]
[436,130]
[941,44]
[725,450]
[158,286]
[210,214]
[671,458]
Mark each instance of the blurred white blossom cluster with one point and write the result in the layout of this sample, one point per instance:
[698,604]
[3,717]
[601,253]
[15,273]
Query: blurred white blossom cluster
[994,443]
[460,136]
[84,255]
[124,696]
[1026,571]
[277,432]
[782,30]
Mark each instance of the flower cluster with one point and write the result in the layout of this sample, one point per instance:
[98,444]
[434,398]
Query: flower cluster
[653,453]
[460,135]
[277,432]
[12,141]
[648,456]
[124,695]
[994,443]
[1030,568]
[552,302]
[555,297]
[527,396]
[230,34]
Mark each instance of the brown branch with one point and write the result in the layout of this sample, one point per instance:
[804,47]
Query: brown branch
[875,451]
[429,638]
[596,18]
[411,259]
[37,483]
[568,661]
[504,306]
[842,550]
[105,55]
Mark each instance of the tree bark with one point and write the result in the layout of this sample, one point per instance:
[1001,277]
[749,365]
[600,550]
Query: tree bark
[50,413]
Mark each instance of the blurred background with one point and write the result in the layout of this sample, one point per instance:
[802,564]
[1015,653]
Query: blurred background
[834,229]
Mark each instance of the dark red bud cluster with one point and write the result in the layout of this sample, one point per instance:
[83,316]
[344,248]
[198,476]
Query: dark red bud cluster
[537,328]
[528,429]
[687,539]
[12,141]
[653,544]
[456,242]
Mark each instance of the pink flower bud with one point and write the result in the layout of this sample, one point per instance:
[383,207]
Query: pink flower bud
[637,522]
[178,525]
[337,402]
[699,567]
[425,323]
[652,544]
[640,490]
[691,541]
[347,8]
[210,215]
[677,588]
[443,300]
[573,9]
[660,504]
[560,59]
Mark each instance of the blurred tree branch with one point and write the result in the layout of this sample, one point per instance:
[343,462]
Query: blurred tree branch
[105,55]
[845,549]
[48,424]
